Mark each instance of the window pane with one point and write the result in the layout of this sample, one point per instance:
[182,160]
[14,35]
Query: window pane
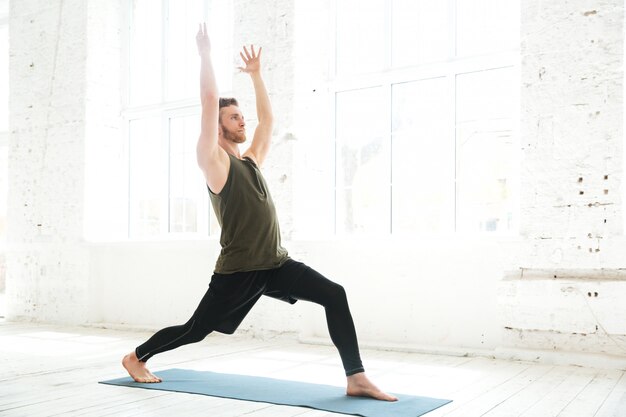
[220,25]
[147,176]
[485,26]
[487,106]
[4,78]
[145,53]
[188,194]
[420,31]
[423,144]
[183,64]
[182,55]
[360,36]
[363,168]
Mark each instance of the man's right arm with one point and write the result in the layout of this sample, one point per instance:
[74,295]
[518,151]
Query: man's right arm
[212,159]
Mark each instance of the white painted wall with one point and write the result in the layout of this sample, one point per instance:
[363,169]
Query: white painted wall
[400,293]
[65,148]
[156,284]
[460,294]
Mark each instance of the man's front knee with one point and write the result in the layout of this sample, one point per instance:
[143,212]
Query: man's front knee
[338,294]
[197,332]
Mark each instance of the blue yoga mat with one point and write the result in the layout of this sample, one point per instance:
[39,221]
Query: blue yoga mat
[276,391]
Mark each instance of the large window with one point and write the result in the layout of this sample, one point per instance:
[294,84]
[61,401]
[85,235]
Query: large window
[167,194]
[426,115]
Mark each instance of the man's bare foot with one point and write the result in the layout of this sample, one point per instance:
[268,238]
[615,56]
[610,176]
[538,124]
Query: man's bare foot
[137,369]
[360,386]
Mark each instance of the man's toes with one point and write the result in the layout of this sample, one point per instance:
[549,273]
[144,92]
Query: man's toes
[385,397]
[155,378]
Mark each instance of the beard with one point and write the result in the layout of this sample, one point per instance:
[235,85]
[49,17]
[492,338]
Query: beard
[236,137]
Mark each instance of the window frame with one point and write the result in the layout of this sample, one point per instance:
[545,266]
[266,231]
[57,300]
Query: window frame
[390,76]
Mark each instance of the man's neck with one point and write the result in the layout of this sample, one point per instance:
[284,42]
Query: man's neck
[230,147]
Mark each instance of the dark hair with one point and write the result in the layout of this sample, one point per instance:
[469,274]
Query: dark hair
[228,101]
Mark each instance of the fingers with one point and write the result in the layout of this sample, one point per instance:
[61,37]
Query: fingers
[201,29]
[251,58]
[247,54]
[252,54]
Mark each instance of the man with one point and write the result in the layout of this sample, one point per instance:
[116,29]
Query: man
[252,262]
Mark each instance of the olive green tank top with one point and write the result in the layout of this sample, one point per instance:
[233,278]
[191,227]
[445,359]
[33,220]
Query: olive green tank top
[250,236]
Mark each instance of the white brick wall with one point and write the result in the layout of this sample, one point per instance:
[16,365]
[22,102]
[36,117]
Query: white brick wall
[571,120]
[45,268]
[572,170]
[54,82]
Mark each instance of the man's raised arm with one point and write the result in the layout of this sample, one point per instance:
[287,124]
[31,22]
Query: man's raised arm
[263,133]
[212,159]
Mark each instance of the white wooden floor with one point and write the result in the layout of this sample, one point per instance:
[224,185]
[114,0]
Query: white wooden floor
[53,371]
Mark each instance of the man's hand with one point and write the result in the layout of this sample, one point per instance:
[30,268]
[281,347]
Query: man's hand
[252,60]
[202,40]
[263,133]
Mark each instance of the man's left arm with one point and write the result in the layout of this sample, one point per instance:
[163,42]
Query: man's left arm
[263,133]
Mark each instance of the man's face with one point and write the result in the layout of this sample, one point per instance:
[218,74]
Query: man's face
[232,125]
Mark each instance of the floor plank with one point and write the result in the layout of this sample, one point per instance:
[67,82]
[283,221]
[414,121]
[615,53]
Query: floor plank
[614,404]
[591,398]
[488,401]
[529,395]
[558,398]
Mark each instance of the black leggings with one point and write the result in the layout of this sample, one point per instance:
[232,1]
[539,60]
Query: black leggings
[231,296]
